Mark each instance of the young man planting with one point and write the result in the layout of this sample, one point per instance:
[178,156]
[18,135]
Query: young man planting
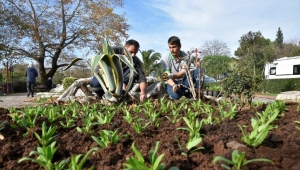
[174,66]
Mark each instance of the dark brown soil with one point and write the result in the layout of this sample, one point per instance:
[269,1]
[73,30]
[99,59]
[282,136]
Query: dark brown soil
[282,145]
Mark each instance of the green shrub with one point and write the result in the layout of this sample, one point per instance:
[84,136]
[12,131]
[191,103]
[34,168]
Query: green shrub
[241,86]
[68,81]
[280,85]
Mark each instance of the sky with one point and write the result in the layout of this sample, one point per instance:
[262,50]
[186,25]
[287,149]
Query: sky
[197,21]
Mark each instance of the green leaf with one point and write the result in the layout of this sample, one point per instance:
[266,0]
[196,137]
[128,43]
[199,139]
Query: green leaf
[194,142]
[137,153]
[94,62]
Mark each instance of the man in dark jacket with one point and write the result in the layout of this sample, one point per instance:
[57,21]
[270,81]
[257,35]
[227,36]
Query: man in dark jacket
[31,74]
[49,84]
[132,46]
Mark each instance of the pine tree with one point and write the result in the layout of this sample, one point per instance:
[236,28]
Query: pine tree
[279,39]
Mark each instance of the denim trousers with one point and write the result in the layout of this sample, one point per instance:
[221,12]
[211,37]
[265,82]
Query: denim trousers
[181,91]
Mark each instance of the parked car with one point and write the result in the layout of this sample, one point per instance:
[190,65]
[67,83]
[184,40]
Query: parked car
[208,79]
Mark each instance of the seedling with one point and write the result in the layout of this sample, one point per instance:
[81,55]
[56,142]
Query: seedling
[193,127]
[139,163]
[44,156]
[107,137]
[2,125]
[75,164]
[47,135]
[190,146]
[258,134]
[298,127]
[238,160]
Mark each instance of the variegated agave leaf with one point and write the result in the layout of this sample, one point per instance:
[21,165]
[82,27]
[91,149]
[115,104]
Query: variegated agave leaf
[111,73]
[128,61]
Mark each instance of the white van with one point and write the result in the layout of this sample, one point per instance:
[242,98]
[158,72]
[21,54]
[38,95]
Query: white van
[283,68]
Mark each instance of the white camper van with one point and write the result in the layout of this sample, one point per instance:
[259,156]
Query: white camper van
[283,68]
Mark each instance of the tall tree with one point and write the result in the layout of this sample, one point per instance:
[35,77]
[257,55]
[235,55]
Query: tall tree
[215,48]
[279,38]
[150,61]
[46,29]
[254,51]
[216,65]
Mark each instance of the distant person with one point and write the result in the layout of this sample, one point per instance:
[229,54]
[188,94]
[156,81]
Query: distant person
[49,84]
[31,74]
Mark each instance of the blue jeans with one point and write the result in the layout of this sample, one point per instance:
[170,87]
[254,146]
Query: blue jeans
[181,91]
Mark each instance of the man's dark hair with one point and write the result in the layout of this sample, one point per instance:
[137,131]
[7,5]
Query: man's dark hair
[174,41]
[132,42]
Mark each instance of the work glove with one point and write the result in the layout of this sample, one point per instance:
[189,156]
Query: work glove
[175,87]
[166,76]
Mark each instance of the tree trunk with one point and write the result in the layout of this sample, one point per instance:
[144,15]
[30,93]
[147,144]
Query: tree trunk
[80,83]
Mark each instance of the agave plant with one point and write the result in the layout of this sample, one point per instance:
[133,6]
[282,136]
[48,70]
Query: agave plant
[110,75]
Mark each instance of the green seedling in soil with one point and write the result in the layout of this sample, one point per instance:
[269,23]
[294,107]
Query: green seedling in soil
[175,117]
[230,113]
[277,104]
[298,127]
[47,135]
[190,146]
[25,119]
[193,127]
[139,163]
[52,113]
[137,126]
[165,106]
[128,117]
[298,107]
[88,123]
[256,103]
[197,104]
[238,160]
[258,134]
[148,108]
[267,116]
[157,123]
[137,109]
[65,111]
[209,111]
[44,156]
[153,116]
[190,114]
[104,118]
[70,122]
[75,164]
[2,125]
[107,137]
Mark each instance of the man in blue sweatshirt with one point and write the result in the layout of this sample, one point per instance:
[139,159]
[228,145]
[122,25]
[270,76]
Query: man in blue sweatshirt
[31,74]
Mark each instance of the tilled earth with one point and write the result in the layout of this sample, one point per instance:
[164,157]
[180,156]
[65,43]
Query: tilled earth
[282,145]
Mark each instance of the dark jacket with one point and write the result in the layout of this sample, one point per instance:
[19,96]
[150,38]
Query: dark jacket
[31,74]
[137,64]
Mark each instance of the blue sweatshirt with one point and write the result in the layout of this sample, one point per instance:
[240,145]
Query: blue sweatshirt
[31,74]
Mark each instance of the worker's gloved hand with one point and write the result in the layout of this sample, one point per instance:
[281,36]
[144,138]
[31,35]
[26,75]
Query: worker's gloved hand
[175,87]
[166,76]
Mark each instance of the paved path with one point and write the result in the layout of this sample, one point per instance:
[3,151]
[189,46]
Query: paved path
[17,100]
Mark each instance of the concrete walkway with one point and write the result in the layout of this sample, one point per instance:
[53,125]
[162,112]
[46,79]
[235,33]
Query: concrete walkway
[17,100]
